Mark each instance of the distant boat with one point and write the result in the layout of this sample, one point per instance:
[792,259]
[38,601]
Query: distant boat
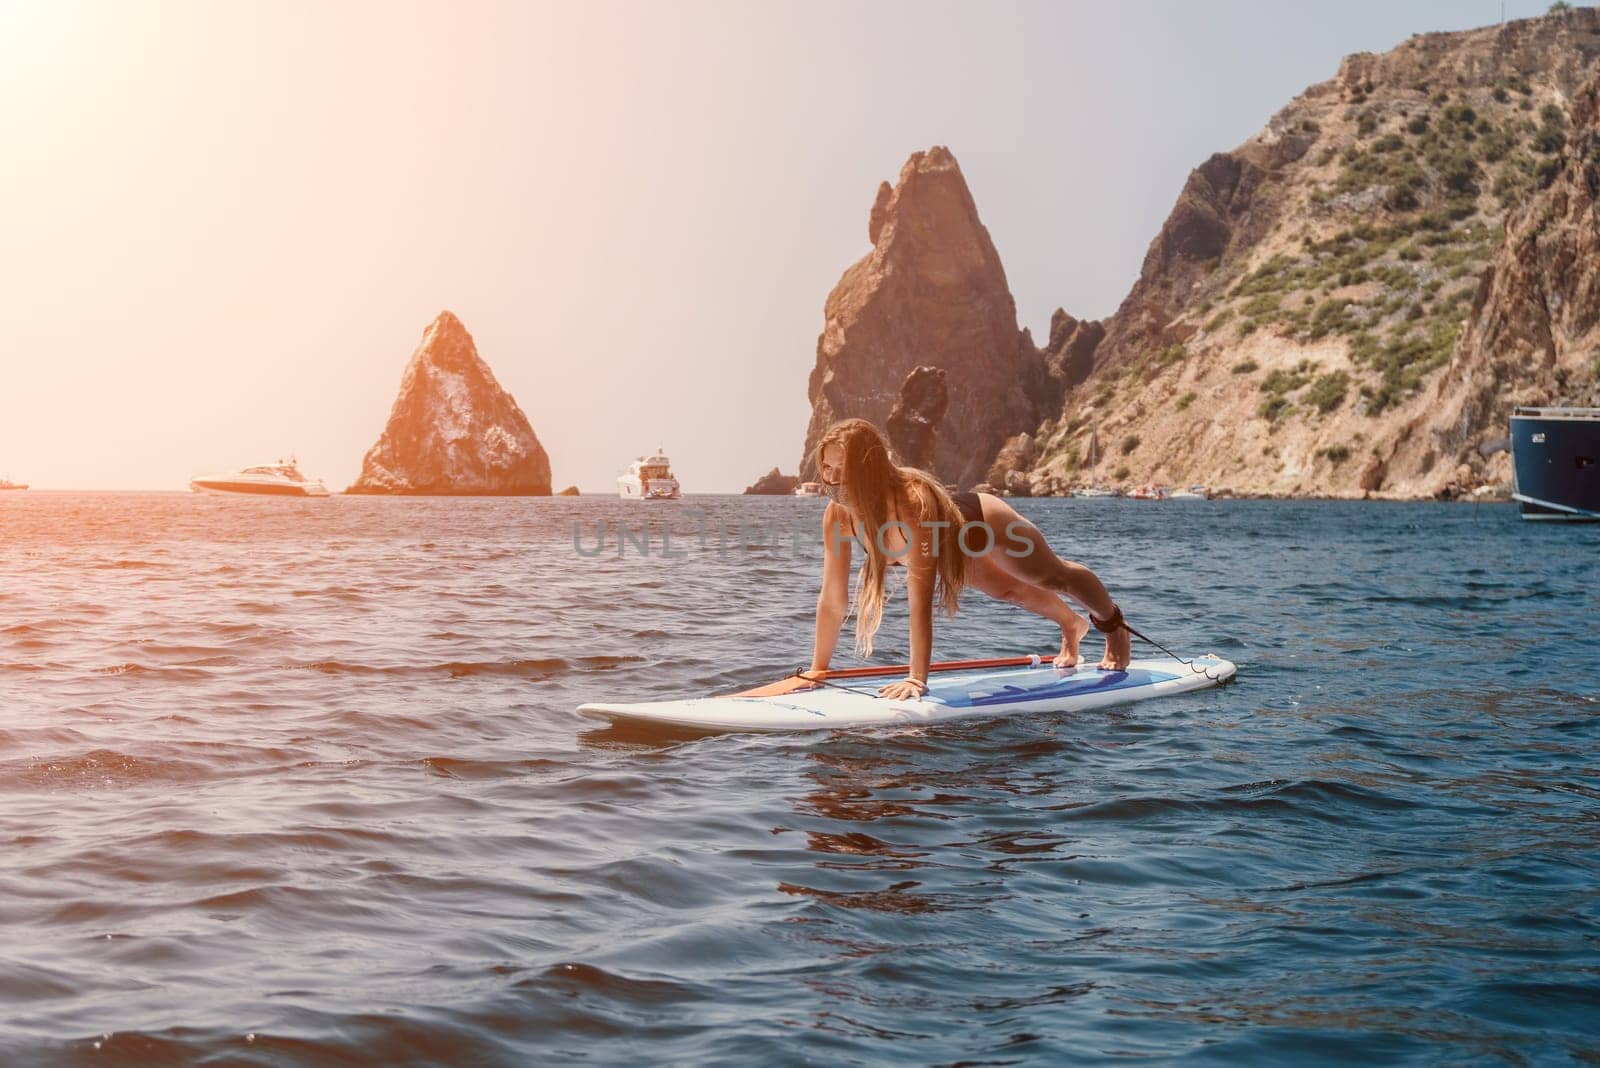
[649,478]
[282,479]
[1555,462]
[808,489]
[7,484]
[1147,492]
[1196,492]
[1093,489]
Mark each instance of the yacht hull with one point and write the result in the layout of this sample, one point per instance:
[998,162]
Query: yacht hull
[1555,458]
[255,489]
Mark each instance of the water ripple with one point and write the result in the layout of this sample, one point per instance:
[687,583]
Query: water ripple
[300,782]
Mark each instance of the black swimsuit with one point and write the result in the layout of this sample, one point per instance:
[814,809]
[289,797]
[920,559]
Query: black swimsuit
[971,512]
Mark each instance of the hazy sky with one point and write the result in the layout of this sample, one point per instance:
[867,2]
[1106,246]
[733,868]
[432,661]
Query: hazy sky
[223,226]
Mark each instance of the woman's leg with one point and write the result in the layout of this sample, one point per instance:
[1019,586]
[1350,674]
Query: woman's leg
[1038,565]
[986,576]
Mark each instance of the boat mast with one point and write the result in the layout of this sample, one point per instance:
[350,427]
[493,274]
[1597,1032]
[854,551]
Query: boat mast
[1094,454]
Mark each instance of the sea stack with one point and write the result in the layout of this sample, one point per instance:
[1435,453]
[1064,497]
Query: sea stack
[930,293]
[773,483]
[453,430]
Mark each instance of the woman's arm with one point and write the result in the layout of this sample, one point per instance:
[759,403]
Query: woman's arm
[921,574]
[833,603]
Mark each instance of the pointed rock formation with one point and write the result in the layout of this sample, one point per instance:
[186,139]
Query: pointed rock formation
[453,430]
[913,426]
[931,291]
[1070,352]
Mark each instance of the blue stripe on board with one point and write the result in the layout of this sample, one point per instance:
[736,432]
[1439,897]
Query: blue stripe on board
[994,692]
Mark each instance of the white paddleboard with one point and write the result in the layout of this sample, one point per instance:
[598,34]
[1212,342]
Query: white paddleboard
[956,690]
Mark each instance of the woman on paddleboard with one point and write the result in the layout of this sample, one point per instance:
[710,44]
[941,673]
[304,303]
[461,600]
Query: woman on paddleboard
[946,542]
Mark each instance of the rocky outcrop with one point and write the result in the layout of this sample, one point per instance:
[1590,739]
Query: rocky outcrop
[913,425]
[773,483]
[1349,302]
[1009,472]
[570,491]
[453,430]
[1069,356]
[931,292]
[1222,204]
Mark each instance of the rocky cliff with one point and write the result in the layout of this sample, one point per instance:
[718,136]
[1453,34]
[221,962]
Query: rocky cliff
[453,430]
[931,292]
[1533,335]
[1348,302]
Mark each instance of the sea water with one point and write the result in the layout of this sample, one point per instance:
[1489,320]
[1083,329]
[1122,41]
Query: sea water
[300,782]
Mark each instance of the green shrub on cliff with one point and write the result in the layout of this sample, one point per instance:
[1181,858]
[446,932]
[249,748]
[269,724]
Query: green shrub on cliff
[1274,407]
[1281,381]
[1261,307]
[1551,137]
[1334,454]
[1406,359]
[1328,391]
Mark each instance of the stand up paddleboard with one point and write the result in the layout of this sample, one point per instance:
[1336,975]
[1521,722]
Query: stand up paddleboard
[957,689]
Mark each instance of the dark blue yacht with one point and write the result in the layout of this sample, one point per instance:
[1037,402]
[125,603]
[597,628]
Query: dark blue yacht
[1555,462]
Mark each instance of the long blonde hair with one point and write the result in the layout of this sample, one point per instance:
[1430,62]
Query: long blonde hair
[871,481]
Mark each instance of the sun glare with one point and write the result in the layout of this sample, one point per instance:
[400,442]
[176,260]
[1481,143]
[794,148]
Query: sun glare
[35,34]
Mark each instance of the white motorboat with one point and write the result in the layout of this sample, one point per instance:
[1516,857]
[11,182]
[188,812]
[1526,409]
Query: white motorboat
[649,478]
[282,479]
[1196,492]
[7,484]
[808,489]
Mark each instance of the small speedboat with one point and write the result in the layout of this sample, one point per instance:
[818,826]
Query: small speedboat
[1196,492]
[7,484]
[282,479]
[808,489]
[1147,492]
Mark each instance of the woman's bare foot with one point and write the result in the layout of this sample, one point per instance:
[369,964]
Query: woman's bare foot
[1072,633]
[1119,648]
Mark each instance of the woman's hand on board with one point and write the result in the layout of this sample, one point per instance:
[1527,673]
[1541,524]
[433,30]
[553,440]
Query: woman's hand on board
[903,690]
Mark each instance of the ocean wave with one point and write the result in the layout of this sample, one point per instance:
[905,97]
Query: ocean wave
[542,668]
